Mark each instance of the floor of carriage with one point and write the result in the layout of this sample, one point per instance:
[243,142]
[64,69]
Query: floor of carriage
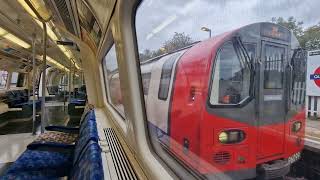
[16,135]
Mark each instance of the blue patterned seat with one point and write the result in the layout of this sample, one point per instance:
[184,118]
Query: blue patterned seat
[35,164]
[63,134]
[86,165]
[89,164]
[52,159]
[88,129]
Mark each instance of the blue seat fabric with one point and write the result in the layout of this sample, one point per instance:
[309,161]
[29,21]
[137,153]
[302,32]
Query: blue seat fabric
[45,162]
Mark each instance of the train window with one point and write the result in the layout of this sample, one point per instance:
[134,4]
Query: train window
[274,67]
[14,79]
[3,79]
[166,77]
[146,82]
[251,50]
[298,85]
[213,109]
[111,75]
[231,78]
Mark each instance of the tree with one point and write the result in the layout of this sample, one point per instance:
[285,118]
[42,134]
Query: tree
[179,40]
[311,37]
[291,23]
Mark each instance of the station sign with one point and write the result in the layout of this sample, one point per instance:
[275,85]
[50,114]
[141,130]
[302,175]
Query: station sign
[313,73]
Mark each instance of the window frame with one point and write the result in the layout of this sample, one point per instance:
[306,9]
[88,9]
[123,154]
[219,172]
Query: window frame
[244,101]
[106,82]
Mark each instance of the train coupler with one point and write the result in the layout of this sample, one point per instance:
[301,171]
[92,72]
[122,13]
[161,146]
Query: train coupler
[274,169]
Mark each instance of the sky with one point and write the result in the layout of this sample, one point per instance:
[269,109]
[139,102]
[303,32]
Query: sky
[157,20]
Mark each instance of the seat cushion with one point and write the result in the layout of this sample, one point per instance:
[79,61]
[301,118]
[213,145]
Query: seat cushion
[31,175]
[57,137]
[54,163]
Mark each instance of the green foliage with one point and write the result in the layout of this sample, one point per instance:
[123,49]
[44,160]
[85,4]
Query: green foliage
[291,23]
[178,41]
[309,38]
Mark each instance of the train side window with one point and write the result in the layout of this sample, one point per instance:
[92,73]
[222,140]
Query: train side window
[146,82]
[231,78]
[3,79]
[165,78]
[298,86]
[111,74]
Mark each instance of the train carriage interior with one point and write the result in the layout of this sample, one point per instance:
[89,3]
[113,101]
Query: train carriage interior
[159,89]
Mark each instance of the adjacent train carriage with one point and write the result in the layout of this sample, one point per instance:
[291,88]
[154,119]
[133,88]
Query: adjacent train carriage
[232,104]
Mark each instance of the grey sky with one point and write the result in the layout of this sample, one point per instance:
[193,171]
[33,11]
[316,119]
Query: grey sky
[157,20]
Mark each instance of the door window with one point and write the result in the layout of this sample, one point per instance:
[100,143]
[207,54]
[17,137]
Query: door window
[273,67]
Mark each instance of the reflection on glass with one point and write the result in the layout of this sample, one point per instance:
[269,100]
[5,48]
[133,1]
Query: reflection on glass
[231,80]
[14,79]
[111,73]
[3,79]
[218,106]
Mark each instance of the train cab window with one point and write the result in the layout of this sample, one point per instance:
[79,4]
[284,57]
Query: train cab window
[231,77]
[111,74]
[3,79]
[251,50]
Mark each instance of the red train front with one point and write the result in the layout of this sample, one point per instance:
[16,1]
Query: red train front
[232,105]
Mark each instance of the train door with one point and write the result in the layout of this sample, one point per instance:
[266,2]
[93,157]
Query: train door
[272,112]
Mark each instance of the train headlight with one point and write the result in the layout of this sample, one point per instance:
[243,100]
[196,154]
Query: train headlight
[296,126]
[223,137]
[231,136]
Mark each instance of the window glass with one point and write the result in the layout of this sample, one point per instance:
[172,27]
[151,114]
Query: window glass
[251,50]
[274,67]
[298,85]
[166,77]
[90,30]
[3,79]
[14,79]
[146,82]
[231,78]
[21,79]
[111,74]
[213,110]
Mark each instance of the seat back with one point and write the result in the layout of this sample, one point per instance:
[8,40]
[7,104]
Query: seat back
[88,132]
[89,166]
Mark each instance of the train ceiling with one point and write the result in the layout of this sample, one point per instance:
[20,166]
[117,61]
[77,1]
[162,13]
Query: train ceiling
[17,26]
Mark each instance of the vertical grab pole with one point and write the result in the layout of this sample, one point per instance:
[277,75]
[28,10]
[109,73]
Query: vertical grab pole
[73,77]
[33,84]
[64,89]
[69,81]
[43,99]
